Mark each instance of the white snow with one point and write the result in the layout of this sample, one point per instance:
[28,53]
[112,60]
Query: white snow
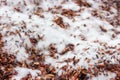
[22,72]
[15,44]
[102,76]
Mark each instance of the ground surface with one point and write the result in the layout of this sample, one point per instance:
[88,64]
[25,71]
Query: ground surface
[59,40]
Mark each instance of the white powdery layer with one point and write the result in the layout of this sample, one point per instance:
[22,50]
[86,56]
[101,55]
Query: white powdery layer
[16,43]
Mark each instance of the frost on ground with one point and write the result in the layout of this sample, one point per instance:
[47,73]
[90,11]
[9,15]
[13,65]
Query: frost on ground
[60,39]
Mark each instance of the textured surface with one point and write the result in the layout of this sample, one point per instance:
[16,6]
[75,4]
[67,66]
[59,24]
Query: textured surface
[59,39]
